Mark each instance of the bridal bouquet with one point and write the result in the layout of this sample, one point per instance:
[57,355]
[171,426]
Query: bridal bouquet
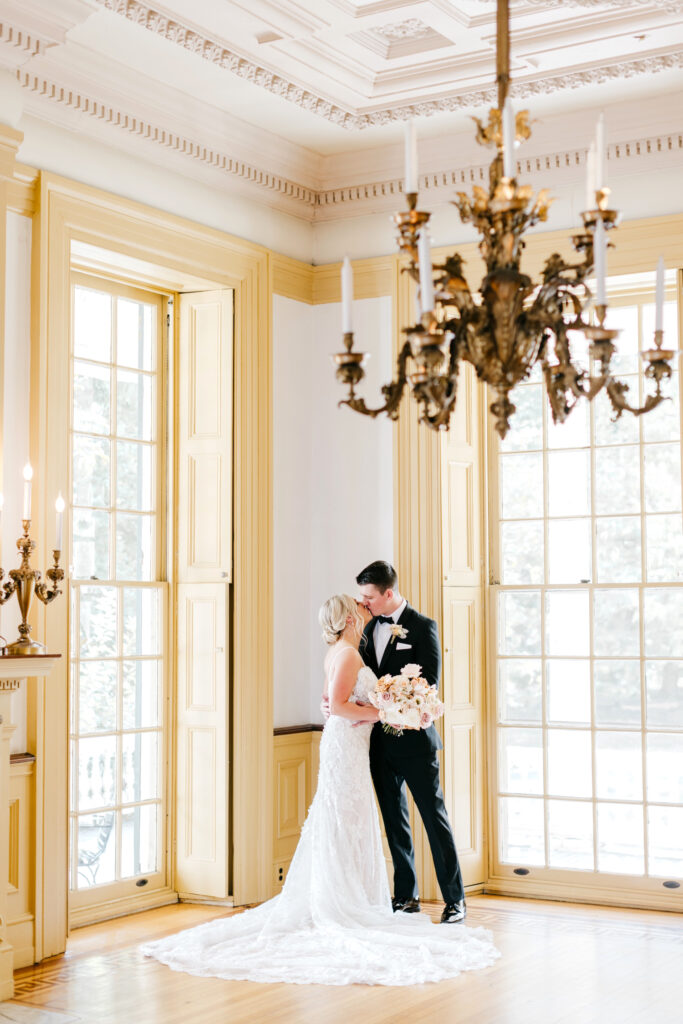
[406,701]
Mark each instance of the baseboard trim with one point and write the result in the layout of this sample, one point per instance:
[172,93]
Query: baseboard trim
[189,897]
[559,893]
[121,908]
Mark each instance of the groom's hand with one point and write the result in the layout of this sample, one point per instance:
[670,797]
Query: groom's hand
[325,707]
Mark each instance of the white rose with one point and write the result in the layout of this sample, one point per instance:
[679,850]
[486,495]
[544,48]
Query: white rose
[411,671]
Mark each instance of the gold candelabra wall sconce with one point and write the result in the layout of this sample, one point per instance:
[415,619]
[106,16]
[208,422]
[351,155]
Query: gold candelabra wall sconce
[25,581]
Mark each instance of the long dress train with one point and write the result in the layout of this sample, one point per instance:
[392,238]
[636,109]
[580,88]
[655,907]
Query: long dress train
[332,924]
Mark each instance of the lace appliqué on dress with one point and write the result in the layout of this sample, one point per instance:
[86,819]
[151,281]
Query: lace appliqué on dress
[332,924]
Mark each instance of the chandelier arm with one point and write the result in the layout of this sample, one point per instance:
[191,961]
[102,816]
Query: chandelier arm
[616,391]
[7,588]
[393,393]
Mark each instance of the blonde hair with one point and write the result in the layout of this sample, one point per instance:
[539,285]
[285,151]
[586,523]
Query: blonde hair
[333,615]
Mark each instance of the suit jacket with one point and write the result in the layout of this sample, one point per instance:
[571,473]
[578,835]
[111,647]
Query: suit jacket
[420,646]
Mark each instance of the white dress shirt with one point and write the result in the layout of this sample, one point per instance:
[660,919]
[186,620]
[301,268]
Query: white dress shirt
[382,632]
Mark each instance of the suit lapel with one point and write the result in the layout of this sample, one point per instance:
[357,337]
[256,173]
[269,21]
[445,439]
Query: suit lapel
[390,649]
[369,654]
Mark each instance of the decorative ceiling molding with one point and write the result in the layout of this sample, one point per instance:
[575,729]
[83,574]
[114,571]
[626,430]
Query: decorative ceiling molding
[144,129]
[335,203]
[13,36]
[670,6]
[216,52]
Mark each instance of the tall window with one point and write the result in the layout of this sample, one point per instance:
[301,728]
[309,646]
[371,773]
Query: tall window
[117,805]
[588,551]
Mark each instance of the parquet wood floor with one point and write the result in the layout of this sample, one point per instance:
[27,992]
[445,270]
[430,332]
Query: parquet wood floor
[561,964]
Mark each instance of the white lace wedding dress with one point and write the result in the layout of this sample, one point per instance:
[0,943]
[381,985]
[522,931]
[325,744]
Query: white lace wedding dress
[332,924]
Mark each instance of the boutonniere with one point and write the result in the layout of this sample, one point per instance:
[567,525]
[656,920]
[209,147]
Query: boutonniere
[399,632]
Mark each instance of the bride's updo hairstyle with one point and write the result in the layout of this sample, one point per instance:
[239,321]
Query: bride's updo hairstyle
[333,615]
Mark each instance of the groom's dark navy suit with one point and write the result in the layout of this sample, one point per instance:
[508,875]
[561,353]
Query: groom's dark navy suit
[412,759]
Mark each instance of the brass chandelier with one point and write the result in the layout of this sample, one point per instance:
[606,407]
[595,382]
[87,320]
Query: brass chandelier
[512,323]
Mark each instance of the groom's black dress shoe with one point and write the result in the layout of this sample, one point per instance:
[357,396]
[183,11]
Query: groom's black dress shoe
[408,906]
[454,912]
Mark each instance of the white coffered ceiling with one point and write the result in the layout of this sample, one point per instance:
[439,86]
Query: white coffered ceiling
[277,91]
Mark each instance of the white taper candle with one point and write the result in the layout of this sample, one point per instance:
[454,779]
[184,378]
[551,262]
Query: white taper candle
[508,140]
[600,262]
[347,296]
[659,296]
[28,476]
[426,279]
[410,140]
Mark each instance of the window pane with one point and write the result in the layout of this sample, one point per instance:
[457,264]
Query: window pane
[664,549]
[568,483]
[96,845]
[519,690]
[617,692]
[569,691]
[664,623]
[134,334]
[665,768]
[625,430]
[625,320]
[665,828]
[619,766]
[141,621]
[98,617]
[134,539]
[134,482]
[616,623]
[617,480]
[90,544]
[620,839]
[92,324]
[139,842]
[91,471]
[97,696]
[526,425]
[574,432]
[662,477]
[141,694]
[618,554]
[140,770]
[664,680]
[134,405]
[519,623]
[569,551]
[569,762]
[522,552]
[566,623]
[96,772]
[92,388]
[521,486]
[521,830]
[520,760]
[664,422]
[570,834]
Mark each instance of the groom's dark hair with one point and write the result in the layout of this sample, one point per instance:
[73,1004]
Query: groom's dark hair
[380,574]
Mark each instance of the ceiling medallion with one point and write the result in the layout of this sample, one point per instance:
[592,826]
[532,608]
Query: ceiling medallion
[511,324]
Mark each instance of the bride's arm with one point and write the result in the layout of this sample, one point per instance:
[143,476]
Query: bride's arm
[341,687]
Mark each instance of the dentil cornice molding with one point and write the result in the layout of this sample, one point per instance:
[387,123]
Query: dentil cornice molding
[671,6]
[216,52]
[302,200]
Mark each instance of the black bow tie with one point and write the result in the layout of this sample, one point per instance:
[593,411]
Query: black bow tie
[386,618]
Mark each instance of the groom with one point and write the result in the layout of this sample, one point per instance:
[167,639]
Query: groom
[396,636]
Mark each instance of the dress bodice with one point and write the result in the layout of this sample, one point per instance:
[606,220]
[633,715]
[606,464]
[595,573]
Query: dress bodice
[365,683]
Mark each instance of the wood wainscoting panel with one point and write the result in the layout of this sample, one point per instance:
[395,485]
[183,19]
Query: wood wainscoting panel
[295,765]
[20,899]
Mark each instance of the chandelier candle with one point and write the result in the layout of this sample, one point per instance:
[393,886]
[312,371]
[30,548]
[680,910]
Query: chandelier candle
[510,324]
[28,476]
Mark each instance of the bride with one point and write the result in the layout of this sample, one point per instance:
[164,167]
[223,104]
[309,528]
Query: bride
[332,924]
